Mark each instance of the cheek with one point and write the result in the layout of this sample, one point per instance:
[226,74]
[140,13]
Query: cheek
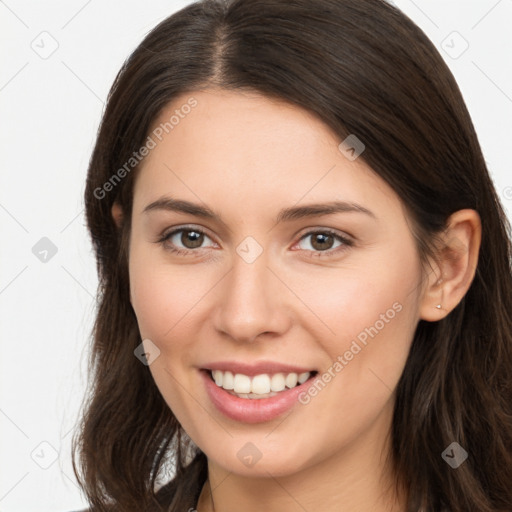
[365,318]
[153,300]
[373,316]
[155,292]
[163,297]
[166,298]
[379,294]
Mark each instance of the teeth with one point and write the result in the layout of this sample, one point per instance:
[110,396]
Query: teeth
[217,377]
[303,377]
[252,395]
[277,382]
[228,380]
[242,383]
[291,380]
[259,386]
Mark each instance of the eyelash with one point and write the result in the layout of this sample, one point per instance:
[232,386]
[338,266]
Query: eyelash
[323,254]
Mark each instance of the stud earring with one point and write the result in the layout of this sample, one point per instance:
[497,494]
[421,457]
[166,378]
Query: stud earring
[438,306]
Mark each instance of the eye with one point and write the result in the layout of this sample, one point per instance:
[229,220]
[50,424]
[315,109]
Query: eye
[323,241]
[186,240]
[190,238]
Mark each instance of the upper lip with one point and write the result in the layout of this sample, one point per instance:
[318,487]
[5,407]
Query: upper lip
[270,367]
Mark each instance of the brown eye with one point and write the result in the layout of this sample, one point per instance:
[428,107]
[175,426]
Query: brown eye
[322,241]
[184,240]
[191,239]
[318,242]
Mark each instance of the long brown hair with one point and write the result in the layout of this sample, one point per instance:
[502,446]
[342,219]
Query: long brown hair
[363,68]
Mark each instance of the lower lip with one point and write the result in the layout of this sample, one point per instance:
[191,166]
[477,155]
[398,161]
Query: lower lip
[255,410]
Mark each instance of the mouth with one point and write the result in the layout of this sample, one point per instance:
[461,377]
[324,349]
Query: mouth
[260,386]
[252,398]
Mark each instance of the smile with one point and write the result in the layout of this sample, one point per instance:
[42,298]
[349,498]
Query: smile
[259,386]
[255,394]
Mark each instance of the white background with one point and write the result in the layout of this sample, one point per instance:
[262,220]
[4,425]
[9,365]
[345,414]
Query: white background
[49,110]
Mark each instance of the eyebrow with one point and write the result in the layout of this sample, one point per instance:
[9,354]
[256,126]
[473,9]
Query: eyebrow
[285,215]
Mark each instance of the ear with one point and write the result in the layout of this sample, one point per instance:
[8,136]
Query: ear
[117,214]
[455,265]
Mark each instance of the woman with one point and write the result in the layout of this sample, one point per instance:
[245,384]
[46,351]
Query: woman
[304,270]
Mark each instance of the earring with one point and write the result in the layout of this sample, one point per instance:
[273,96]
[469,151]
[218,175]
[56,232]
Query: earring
[438,306]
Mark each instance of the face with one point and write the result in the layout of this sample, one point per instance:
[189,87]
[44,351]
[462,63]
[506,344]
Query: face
[255,281]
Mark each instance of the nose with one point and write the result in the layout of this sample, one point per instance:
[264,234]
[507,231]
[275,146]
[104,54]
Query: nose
[252,302]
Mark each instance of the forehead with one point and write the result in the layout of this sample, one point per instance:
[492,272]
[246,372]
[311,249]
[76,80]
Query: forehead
[249,150]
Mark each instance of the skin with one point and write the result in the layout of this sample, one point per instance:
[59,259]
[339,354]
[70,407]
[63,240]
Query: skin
[246,157]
